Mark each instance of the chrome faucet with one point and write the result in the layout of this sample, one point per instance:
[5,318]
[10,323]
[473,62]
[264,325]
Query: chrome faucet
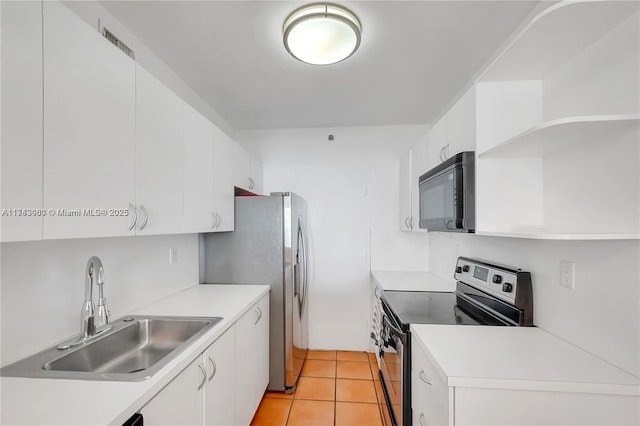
[92,324]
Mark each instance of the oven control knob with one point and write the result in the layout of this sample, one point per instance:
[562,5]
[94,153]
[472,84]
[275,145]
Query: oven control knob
[497,279]
[507,288]
[465,268]
[458,269]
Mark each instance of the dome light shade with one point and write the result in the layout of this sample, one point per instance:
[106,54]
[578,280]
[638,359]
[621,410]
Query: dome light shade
[321,33]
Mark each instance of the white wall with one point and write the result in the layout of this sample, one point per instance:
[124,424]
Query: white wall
[601,315]
[43,284]
[352,187]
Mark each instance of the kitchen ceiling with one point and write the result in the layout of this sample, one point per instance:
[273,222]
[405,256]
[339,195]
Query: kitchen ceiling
[414,58]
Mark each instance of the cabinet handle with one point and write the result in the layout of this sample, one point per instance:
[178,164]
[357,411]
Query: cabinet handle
[213,220]
[423,377]
[218,221]
[215,368]
[251,183]
[135,216]
[406,222]
[146,216]
[422,420]
[442,154]
[259,312]
[411,222]
[204,376]
[446,152]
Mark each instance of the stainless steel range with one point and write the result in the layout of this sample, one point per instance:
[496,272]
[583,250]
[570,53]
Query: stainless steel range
[486,294]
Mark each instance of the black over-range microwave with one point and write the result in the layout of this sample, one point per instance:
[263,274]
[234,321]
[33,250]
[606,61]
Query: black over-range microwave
[447,195]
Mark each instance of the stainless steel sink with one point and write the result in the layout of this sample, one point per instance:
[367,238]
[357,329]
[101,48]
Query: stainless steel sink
[134,349]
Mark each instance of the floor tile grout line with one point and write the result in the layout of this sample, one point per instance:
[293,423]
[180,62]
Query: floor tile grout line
[335,394]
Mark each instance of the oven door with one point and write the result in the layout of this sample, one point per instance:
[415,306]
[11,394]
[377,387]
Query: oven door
[394,345]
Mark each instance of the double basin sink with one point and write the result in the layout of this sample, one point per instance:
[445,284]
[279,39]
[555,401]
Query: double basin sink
[133,349]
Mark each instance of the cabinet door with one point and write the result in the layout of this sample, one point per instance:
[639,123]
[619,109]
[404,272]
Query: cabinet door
[262,348]
[180,402]
[89,128]
[219,401]
[405,192]
[461,124]
[241,167]
[430,396]
[418,168]
[159,151]
[223,181]
[245,367]
[21,118]
[256,174]
[252,359]
[437,141]
[198,172]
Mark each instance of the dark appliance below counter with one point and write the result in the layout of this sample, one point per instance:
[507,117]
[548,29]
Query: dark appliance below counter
[486,294]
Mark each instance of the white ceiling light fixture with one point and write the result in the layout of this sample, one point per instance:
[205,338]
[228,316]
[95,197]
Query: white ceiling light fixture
[322,33]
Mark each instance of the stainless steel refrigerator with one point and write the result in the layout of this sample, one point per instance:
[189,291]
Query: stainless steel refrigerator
[269,246]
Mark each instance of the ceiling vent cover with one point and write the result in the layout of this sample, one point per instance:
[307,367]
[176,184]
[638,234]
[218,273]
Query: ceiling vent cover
[119,44]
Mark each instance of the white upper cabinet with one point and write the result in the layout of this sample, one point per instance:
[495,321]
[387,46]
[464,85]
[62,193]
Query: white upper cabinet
[21,37]
[256,174]
[558,127]
[405,192]
[94,146]
[412,166]
[223,181]
[455,132]
[89,129]
[159,157]
[461,124]
[247,170]
[199,215]
[437,143]
[418,168]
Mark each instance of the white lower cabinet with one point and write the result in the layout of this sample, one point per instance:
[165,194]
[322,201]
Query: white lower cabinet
[180,402]
[219,393]
[203,394]
[435,403]
[223,386]
[252,360]
[431,398]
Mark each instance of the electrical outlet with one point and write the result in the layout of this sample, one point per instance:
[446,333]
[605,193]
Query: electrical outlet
[173,255]
[567,274]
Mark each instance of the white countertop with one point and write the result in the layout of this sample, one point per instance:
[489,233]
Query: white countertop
[412,281]
[526,358]
[84,402]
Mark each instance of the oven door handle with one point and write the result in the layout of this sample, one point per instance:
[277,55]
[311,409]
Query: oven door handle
[394,330]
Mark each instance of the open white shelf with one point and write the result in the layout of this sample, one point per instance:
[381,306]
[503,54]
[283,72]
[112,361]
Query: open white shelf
[544,236]
[556,135]
[547,41]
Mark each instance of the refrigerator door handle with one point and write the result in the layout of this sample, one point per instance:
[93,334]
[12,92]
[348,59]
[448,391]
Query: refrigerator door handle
[303,263]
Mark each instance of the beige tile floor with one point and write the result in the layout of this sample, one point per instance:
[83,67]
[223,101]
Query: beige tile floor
[335,388]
